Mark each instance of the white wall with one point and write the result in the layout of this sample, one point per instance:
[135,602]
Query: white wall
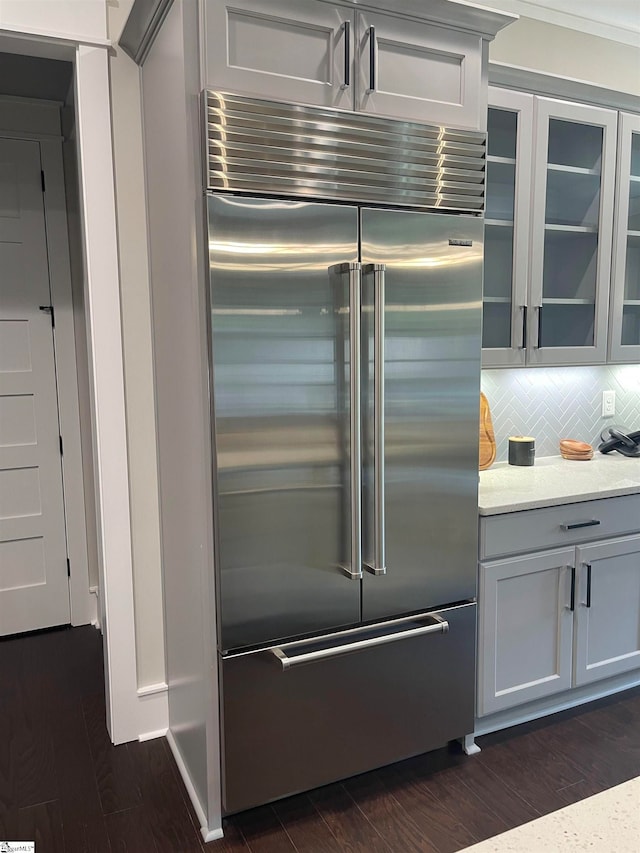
[568,53]
[138,366]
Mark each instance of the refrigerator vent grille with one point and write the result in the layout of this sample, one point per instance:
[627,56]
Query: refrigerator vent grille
[268,147]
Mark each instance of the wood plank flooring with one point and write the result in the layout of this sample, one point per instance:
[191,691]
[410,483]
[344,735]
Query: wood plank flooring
[65,785]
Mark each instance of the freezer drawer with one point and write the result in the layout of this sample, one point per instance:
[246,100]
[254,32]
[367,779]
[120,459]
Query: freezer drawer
[305,714]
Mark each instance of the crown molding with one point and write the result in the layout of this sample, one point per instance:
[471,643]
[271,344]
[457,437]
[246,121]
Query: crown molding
[566,88]
[560,18]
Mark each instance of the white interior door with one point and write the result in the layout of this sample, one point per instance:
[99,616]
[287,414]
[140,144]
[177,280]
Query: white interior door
[34,588]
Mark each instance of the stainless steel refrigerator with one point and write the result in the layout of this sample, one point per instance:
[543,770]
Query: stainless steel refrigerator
[345,348]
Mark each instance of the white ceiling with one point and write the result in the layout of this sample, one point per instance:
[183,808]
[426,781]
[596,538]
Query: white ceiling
[613,19]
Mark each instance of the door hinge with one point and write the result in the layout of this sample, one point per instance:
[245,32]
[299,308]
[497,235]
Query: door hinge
[48,309]
[68,568]
[42,180]
[61,450]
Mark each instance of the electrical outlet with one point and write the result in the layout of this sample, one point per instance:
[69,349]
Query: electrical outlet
[608,404]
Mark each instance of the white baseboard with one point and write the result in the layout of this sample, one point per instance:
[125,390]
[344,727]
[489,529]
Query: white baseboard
[153,711]
[207,834]
[94,608]
[558,702]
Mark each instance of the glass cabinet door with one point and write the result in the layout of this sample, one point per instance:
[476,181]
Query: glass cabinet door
[625,314]
[504,312]
[572,232]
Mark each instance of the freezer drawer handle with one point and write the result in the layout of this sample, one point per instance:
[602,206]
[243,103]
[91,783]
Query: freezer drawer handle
[377,565]
[437,626]
[574,525]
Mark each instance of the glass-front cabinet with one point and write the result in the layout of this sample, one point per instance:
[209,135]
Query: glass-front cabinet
[506,235]
[572,230]
[624,338]
[548,230]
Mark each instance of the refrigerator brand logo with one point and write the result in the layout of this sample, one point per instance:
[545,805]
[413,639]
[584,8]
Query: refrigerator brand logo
[461,242]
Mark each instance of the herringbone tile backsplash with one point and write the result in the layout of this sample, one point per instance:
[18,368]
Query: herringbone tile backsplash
[559,402]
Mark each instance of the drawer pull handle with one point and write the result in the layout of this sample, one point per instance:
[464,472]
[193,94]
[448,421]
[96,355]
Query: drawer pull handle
[574,525]
[438,626]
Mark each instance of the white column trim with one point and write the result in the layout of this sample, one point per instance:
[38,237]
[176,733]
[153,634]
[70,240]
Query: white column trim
[104,333]
[154,711]
[207,833]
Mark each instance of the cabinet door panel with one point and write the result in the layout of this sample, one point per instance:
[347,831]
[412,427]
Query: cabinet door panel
[525,629]
[506,258]
[571,232]
[288,50]
[608,610]
[417,71]
[624,331]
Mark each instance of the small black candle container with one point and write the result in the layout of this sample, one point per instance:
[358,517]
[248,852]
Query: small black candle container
[522,450]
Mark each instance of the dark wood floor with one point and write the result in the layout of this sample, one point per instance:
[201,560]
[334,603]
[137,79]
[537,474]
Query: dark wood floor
[63,784]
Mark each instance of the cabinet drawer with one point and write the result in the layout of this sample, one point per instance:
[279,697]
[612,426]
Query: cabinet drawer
[534,529]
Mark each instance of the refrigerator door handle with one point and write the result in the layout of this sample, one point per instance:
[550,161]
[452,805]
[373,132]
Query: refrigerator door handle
[378,564]
[437,625]
[354,270]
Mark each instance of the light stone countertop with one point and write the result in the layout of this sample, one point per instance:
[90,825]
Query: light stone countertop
[553,481]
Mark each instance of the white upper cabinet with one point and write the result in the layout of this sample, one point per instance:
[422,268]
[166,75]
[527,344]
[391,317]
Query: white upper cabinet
[572,229]
[386,59]
[417,71]
[548,231]
[506,235]
[299,51]
[624,330]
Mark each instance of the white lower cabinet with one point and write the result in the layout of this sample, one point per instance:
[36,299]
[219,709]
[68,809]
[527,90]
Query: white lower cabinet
[557,619]
[526,628]
[607,629]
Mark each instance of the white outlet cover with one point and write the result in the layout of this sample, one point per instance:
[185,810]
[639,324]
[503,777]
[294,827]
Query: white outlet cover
[608,404]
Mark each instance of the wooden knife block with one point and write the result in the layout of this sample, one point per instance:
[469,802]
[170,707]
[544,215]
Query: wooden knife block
[487,437]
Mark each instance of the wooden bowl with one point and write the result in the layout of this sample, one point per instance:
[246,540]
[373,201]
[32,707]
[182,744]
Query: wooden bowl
[575,450]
